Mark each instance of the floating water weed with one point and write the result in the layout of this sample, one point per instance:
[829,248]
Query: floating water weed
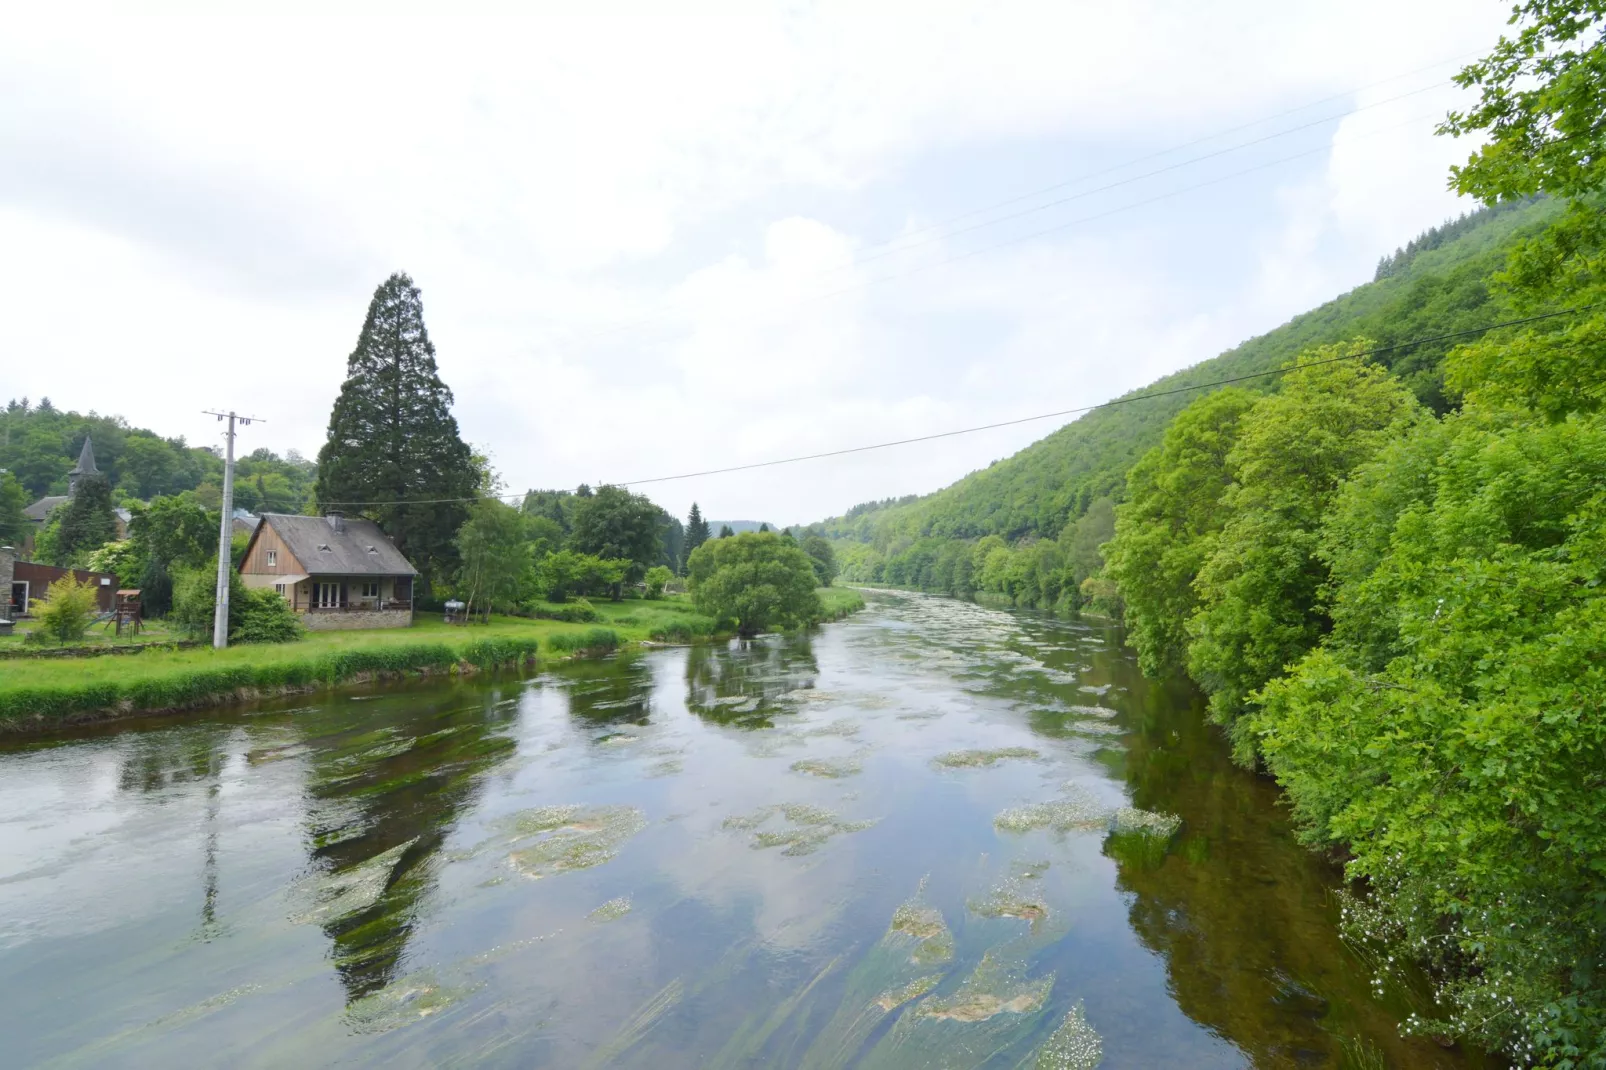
[568,837]
[1009,900]
[1103,712]
[826,767]
[1077,812]
[326,897]
[612,910]
[924,924]
[811,827]
[992,990]
[1075,1045]
[892,999]
[1129,819]
[631,1033]
[976,759]
[403,1002]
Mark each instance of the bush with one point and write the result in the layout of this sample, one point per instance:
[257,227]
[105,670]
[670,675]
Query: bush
[195,600]
[758,579]
[265,617]
[580,611]
[686,631]
[67,610]
[593,639]
[657,579]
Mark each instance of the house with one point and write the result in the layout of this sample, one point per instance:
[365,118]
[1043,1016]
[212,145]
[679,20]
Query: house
[245,522]
[336,572]
[39,512]
[24,583]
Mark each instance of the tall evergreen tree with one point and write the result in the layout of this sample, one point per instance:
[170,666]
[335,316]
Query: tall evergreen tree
[392,437]
[87,520]
[725,531]
[696,533]
[13,522]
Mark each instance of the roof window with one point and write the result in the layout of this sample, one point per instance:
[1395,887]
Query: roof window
[325,548]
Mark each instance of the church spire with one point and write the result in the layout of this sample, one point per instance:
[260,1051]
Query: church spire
[84,467]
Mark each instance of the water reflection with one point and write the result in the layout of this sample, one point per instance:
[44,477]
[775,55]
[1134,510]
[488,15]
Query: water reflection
[386,781]
[902,857]
[747,682]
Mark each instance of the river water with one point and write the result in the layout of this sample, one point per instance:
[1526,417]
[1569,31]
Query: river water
[932,835]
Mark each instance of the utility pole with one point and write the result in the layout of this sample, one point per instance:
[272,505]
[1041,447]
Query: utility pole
[220,616]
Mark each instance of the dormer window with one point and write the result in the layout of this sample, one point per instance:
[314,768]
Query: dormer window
[273,559]
[373,549]
[325,548]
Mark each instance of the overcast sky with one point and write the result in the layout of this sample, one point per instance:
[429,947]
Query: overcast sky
[651,245]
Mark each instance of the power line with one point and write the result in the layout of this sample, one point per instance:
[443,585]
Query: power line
[891,246]
[1110,404]
[1129,399]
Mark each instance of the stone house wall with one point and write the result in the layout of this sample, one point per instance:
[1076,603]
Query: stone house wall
[347,619]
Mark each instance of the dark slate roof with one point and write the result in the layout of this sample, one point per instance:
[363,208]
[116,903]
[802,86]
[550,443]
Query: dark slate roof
[86,461]
[42,508]
[361,550]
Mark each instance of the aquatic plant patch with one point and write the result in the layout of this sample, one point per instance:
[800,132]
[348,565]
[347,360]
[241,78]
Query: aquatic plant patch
[995,1009]
[1075,1045]
[831,768]
[978,759]
[612,910]
[1010,899]
[550,840]
[404,1001]
[802,830]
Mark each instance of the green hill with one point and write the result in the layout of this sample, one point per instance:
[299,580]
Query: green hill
[1437,284]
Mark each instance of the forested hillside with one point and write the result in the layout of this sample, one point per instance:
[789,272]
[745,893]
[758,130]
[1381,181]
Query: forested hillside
[39,444]
[1437,284]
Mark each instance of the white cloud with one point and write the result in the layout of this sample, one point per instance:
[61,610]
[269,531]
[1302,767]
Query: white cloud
[625,225]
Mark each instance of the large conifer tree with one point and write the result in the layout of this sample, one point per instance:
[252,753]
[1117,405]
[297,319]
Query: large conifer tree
[392,437]
[696,533]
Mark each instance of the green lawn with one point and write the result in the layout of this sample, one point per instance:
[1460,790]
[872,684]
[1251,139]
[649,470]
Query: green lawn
[159,678]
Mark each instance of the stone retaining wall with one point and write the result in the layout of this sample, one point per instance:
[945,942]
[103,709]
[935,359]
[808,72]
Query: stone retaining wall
[351,619]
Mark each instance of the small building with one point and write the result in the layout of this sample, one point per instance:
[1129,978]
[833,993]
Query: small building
[334,571]
[25,582]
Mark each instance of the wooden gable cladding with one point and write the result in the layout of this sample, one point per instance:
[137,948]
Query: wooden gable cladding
[256,556]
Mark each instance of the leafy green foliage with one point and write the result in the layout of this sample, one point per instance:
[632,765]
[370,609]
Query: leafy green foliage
[86,522]
[593,639]
[567,573]
[170,534]
[824,558]
[1260,589]
[616,524]
[657,579]
[13,499]
[195,599]
[67,610]
[264,617]
[1166,529]
[494,558]
[1542,93]
[39,443]
[1465,774]
[392,438]
[761,580]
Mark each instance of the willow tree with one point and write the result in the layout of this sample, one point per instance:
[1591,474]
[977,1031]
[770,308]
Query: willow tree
[394,452]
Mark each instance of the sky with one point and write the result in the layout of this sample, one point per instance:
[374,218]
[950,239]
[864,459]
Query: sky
[651,245]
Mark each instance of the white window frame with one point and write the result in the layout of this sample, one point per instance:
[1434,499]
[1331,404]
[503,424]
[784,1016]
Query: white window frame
[273,560]
[370,589]
[279,589]
[326,595]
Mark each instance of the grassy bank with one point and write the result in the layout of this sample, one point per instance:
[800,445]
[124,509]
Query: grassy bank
[38,693]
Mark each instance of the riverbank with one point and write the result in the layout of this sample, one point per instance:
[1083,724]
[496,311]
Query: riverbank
[38,694]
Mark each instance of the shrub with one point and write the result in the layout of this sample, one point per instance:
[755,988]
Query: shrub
[580,611]
[757,578]
[265,617]
[67,610]
[589,640]
[657,579]
[195,600]
[686,630]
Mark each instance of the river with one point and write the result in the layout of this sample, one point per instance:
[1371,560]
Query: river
[932,835]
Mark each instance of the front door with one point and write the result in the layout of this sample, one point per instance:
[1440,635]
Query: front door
[19,598]
[326,595]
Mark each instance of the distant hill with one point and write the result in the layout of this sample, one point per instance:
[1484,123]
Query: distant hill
[1435,285]
[738,526]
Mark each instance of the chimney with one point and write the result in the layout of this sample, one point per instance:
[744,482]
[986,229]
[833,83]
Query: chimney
[336,520]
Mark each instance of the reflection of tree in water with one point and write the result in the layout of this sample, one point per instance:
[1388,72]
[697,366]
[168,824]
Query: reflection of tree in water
[611,690]
[1243,916]
[745,682]
[386,779]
